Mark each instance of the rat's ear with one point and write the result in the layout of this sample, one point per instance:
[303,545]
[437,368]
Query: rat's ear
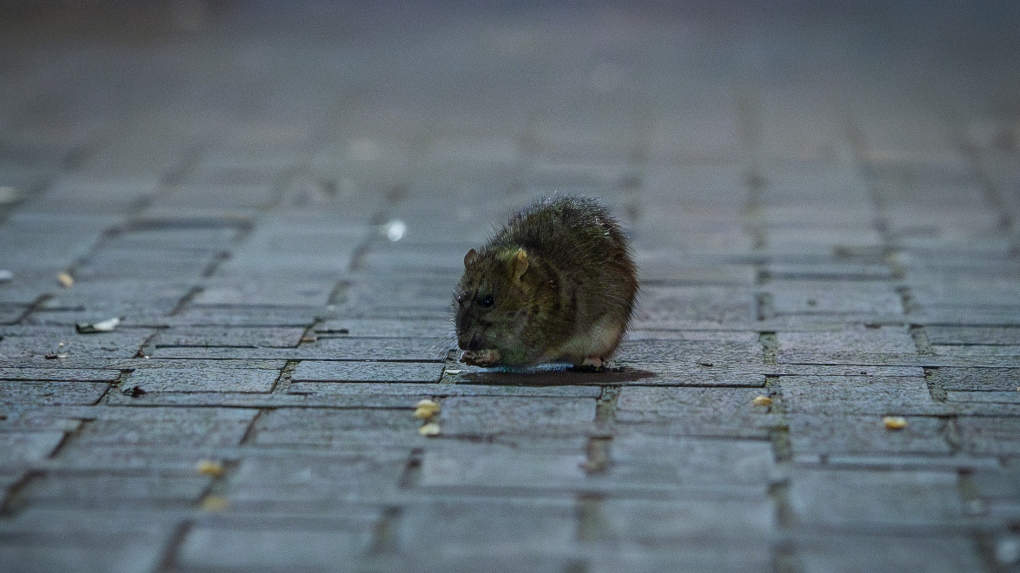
[470,258]
[520,263]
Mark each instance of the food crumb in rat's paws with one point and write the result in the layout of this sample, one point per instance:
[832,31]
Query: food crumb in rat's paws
[426,409]
[483,358]
[894,422]
[762,401]
[430,429]
[209,468]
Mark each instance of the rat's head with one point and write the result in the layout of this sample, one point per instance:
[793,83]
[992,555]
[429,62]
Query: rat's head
[492,304]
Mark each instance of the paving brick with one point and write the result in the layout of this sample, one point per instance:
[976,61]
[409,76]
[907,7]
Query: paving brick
[694,411]
[332,371]
[10,313]
[61,523]
[831,270]
[857,395]
[645,462]
[499,466]
[404,295]
[314,483]
[814,435]
[889,553]
[117,554]
[843,297]
[107,490]
[382,327]
[708,354]
[409,394]
[59,374]
[286,546]
[998,489]
[241,314]
[703,557]
[179,233]
[235,336]
[674,308]
[643,522]
[165,426]
[884,345]
[358,349]
[203,379]
[659,266]
[516,415]
[68,347]
[212,198]
[976,379]
[862,499]
[332,428]
[485,524]
[21,393]
[990,435]
[266,292]
[118,295]
[968,335]
[168,264]
[20,448]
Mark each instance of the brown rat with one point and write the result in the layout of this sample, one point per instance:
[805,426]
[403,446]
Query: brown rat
[556,284]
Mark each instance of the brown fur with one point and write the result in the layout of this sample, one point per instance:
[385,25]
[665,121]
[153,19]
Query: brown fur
[557,283]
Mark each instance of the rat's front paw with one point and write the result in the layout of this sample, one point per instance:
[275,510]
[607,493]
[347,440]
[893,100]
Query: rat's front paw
[481,358]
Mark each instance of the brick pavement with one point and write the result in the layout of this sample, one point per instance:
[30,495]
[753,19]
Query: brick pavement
[823,205]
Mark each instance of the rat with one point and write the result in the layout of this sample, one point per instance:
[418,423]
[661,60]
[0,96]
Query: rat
[555,284]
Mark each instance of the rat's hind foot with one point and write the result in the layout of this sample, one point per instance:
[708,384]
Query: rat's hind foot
[590,364]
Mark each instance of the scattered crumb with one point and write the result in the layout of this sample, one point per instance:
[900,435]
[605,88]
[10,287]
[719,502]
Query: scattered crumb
[65,280]
[103,326]
[894,422]
[430,429]
[449,371]
[308,339]
[426,409]
[209,468]
[214,503]
[762,401]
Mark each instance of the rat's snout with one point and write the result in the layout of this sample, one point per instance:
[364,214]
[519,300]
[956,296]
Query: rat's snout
[474,344]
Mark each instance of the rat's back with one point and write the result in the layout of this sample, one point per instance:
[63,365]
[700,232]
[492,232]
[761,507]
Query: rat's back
[580,281]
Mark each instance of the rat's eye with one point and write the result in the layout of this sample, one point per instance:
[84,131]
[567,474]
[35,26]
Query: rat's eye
[486,301]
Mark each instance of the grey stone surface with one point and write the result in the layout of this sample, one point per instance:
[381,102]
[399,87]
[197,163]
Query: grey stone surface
[51,393]
[209,379]
[486,524]
[263,547]
[695,411]
[862,499]
[337,428]
[334,371]
[819,435]
[21,448]
[874,553]
[276,199]
[857,395]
